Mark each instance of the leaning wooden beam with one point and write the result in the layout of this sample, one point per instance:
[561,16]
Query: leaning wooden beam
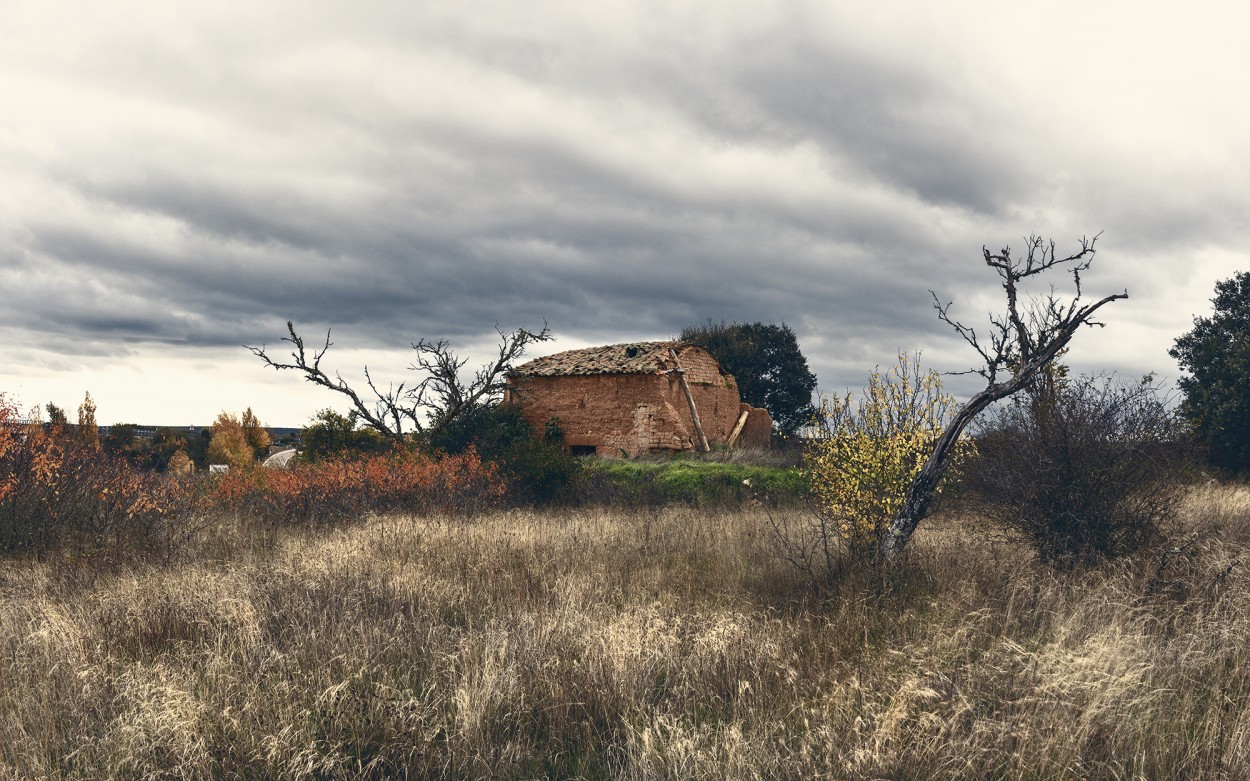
[704,447]
[742,421]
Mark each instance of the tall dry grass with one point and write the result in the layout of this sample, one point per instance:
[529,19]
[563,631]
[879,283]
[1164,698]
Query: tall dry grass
[663,644]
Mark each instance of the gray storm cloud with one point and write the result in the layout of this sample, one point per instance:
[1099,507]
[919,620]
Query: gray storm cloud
[191,179]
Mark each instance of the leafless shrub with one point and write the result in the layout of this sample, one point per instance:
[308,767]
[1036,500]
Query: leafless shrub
[1083,469]
[806,541]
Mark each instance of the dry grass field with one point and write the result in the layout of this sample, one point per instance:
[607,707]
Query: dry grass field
[664,644]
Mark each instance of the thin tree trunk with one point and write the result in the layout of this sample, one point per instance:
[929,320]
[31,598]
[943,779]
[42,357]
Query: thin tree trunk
[1029,339]
[924,486]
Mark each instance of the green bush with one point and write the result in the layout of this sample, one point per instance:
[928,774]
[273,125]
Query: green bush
[332,435]
[538,471]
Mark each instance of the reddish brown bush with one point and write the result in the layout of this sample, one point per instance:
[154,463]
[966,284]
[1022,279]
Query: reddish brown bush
[347,487]
[56,490]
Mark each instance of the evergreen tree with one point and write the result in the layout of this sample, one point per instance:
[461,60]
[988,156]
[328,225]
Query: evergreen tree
[1216,355]
[331,434]
[766,361]
[56,416]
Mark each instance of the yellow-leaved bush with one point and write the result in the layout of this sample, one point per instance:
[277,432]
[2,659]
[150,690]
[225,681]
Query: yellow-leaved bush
[861,468]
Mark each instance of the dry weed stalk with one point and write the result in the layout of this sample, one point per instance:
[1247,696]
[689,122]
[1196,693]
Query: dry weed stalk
[660,645]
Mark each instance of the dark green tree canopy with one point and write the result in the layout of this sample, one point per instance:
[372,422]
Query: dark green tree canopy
[331,434]
[766,361]
[1216,355]
[56,415]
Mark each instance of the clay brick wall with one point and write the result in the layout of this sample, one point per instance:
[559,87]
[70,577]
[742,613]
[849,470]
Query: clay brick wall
[718,406]
[758,430]
[702,368]
[618,414]
[635,414]
[628,414]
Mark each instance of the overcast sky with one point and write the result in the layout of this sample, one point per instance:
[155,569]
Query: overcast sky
[178,179]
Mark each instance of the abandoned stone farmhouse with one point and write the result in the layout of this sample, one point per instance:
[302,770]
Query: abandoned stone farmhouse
[629,400]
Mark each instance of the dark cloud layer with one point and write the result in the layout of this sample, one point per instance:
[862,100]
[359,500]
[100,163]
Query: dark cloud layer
[405,171]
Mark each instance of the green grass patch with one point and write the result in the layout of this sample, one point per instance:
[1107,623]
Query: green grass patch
[690,481]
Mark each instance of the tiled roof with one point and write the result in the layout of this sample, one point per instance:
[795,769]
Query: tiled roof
[632,358]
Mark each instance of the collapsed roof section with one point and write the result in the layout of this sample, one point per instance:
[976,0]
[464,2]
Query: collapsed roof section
[629,358]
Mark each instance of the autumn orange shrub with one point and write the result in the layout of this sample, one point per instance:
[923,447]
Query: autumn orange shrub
[349,487]
[56,490]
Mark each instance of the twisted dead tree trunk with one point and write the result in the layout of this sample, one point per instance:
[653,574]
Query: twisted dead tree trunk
[439,396]
[1021,343]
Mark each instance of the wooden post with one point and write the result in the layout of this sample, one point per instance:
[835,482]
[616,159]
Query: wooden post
[704,447]
[742,421]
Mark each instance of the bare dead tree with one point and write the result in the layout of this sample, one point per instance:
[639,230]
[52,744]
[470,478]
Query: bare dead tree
[436,399]
[1018,344]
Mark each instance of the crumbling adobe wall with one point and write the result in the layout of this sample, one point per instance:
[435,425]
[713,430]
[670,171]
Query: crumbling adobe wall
[757,431]
[718,405]
[618,414]
[628,414]
[715,395]
[634,414]
[701,368]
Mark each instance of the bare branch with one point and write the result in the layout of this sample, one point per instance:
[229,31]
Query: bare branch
[315,374]
[438,397]
[1024,340]
[992,355]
